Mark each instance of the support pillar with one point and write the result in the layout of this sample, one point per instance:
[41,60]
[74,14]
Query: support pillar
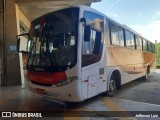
[13,66]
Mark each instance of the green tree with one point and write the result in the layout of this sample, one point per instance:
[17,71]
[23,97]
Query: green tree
[158,54]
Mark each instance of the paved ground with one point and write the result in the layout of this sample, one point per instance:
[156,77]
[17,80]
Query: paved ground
[139,95]
[141,90]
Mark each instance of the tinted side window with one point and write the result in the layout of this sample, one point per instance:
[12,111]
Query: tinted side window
[138,41]
[92,45]
[145,45]
[121,36]
[114,34]
[154,48]
[150,49]
[129,40]
[117,35]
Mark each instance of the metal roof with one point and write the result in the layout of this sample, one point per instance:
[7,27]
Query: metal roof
[35,8]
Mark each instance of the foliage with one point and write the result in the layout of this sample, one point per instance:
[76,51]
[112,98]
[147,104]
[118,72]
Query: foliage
[158,53]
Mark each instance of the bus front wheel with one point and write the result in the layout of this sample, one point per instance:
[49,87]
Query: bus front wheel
[112,87]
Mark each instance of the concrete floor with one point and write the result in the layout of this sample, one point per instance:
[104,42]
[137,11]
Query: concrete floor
[141,90]
[138,95]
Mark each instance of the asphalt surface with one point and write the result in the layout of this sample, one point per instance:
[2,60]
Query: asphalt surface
[147,91]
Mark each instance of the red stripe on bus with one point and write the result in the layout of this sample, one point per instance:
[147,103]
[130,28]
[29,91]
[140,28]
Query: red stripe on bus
[46,78]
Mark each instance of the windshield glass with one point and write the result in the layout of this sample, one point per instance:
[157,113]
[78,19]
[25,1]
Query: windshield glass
[54,41]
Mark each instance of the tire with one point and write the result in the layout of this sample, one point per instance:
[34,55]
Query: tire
[147,72]
[112,87]
[146,76]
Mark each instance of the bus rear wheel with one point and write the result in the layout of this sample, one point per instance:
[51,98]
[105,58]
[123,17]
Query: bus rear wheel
[147,72]
[112,87]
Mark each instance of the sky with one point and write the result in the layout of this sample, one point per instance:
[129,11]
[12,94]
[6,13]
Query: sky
[142,16]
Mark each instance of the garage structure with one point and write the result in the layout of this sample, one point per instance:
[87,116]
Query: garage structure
[18,16]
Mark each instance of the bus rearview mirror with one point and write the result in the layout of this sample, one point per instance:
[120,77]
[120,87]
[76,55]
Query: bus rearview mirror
[83,21]
[22,43]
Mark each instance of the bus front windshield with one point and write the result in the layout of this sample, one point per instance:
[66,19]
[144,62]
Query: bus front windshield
[54,41]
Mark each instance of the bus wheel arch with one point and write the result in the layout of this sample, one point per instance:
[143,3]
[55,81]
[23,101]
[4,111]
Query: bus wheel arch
[114,82]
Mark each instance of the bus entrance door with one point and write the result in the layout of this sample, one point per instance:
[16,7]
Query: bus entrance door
[92,85]
[90,80]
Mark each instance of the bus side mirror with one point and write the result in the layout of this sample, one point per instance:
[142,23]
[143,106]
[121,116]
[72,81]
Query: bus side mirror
[87,33]
[87,30]
[22,43]
[83,21]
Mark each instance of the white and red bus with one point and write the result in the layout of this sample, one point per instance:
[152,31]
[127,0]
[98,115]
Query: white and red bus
[77,53]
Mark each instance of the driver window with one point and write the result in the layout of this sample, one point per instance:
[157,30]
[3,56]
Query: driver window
[92,38]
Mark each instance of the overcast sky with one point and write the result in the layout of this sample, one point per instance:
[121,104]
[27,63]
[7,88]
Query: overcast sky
[141,15]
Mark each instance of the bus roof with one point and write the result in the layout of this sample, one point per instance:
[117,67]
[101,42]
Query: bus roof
[110,19]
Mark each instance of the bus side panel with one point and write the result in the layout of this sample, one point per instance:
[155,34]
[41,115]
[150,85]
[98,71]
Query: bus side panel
[149,59]
[102,82]
[130,62]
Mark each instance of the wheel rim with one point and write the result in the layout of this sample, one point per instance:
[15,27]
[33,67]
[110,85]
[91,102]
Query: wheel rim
[112,87]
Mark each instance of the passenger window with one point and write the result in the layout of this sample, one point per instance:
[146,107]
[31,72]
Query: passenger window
[121,37]
[138,43]
[145,45]
[117,35]
[114,34]
[150,47]
[129,40]
[92,45]
[153,46]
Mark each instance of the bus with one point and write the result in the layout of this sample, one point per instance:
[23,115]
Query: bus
[77,52]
